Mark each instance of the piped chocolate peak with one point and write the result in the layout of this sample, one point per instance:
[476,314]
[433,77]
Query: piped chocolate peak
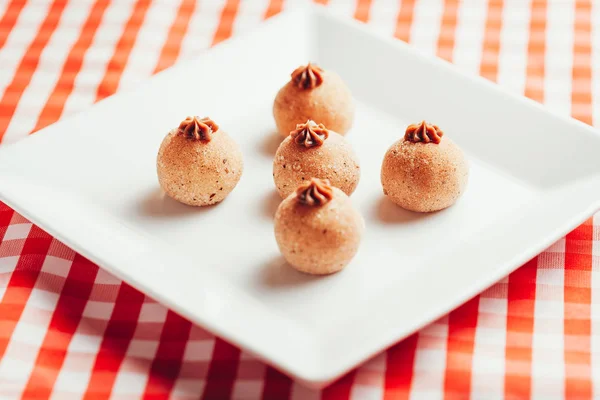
[309,134]
[196,128]
[315,192]
[307,76]
[424,133]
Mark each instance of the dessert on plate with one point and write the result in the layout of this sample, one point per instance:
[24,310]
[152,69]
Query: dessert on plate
[313,151]
[198,164]
[317,229]
[317,94]
[424,171]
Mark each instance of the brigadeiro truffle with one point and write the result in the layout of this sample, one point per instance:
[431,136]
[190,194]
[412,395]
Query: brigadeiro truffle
[317,229]
[198,164]
[313,151]
[316,94]
[424,171]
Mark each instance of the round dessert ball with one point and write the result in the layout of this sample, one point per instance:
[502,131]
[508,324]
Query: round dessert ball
[313,151]
[317,229]
[198,164]
[424,171]
[316,94]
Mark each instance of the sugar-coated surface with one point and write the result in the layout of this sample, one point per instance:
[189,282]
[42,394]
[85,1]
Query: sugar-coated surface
[330,104]
[424,177]
[334,160]
[320,239]
[199,173]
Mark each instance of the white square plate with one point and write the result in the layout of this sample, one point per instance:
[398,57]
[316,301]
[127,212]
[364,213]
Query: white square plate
[90,180]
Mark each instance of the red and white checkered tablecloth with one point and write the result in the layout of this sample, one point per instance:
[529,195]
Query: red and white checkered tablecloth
[69,330]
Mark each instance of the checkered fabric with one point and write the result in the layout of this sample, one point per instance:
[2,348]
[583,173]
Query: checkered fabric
[69,330]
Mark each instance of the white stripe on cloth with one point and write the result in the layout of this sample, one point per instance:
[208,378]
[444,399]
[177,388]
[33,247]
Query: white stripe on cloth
[369,380]
[132,376]
[48,70]
[202,28]
[250,15]
[342,7]
[75,373]
[17,364]
[512,65]
[596,66]
[559,57]
[426,25]
[470,33]
[19,39]
[430,361]
[489,357]
[547,359]
[383,16]
[149,43]
[98,56]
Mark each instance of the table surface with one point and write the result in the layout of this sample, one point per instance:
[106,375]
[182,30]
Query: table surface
[70,330]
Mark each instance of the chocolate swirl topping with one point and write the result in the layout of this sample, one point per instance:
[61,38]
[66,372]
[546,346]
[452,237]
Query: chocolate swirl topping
[309,134]
[307,76]
[198,128]
[423,132]
[315,192]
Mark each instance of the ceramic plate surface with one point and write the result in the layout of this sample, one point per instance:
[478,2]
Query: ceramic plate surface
[90,180]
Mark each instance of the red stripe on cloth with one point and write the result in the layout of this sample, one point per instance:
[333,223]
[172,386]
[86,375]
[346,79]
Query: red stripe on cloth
[222,371]
[462,325]
[491,41]
[9,19]
[519,330]
[323,2]
[536,49]
[169,357]
[277,385]
[225,27]
[340,389]
[28,65]
[22,281]
[120,57]
[6,215]
[446,37]
[363,10]
[274,8]
[65,320]
[581,98]
[63,88]
[400,369]
[404,20]
[578,299]
[117,336]
[179,27]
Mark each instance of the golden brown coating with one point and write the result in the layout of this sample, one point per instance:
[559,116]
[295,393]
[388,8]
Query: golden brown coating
[198,172]
[321,238]
[424,177]
[325,99]
[334,159]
